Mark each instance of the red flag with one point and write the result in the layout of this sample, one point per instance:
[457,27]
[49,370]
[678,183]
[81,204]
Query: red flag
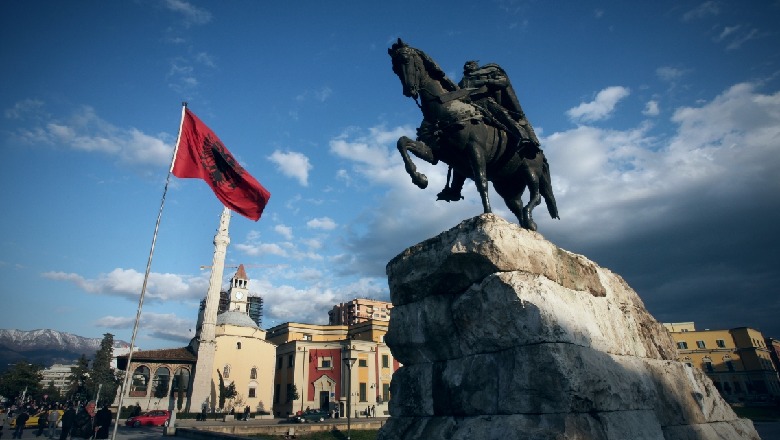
[200,154]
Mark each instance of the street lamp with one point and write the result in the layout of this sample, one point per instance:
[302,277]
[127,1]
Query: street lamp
[349,362]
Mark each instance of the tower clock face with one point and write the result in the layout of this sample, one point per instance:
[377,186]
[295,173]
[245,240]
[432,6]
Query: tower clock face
[239,295]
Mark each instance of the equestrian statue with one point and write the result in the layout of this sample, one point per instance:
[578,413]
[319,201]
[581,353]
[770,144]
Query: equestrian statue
[477,128]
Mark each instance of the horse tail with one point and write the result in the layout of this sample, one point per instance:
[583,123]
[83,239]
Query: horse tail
[546,189]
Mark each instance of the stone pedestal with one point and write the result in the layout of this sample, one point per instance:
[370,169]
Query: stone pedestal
[503,335]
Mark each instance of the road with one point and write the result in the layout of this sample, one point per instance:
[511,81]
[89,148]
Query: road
[767,431]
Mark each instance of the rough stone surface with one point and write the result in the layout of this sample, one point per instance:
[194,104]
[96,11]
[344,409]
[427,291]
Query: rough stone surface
[503,335]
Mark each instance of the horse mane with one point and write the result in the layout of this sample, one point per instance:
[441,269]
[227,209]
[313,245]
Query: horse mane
[436,72]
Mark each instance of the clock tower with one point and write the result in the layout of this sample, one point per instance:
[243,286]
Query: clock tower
[239,290]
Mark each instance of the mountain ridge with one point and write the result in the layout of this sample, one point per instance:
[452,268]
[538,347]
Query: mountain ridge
[47,347]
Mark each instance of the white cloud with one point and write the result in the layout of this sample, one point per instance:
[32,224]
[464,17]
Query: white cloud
[284,231]
[323,94]
[292,164]
[320,95]
[651,108]
[259,249]
[621,179]
[25,107]
[206,59]
[601,107]
[736,36]
[85,131]
[669,74]
[127,283]
[703,10]
[324,223]
[157,325]
[193,15]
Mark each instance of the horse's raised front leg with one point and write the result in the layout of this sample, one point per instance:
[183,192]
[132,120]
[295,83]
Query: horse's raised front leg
[420,150]
[479,170]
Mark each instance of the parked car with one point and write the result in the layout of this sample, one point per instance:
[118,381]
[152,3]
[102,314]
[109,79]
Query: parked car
[313,415]
[33,420]
[157,417]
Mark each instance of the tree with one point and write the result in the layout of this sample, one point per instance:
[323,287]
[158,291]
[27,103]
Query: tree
[20,377]
[79,378]
[225,392]
[180,390]
[52,392]
[102,377]
[292,392]
[161,389]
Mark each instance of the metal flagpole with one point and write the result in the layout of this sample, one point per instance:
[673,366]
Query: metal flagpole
[146,279]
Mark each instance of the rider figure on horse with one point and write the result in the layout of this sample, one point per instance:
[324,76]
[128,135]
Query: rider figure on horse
[493,94]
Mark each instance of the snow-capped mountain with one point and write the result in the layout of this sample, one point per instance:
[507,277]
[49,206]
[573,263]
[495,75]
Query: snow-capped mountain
[47,347]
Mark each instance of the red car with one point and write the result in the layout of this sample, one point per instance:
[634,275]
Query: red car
[158,417]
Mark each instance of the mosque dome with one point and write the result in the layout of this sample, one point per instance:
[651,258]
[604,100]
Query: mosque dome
[239,319]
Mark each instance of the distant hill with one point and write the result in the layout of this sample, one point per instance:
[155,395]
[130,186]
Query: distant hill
[46,347]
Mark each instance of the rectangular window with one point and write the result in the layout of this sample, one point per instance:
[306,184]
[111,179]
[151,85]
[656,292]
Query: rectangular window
[279,363]
[682,345]
[307,337]
[708,367]
[291,360]
[721,343]
[363,392]
[326,363]
[700,344]
[276,393]
[385,392]
[385,361]
[362,362]
[252,392]
[730,365]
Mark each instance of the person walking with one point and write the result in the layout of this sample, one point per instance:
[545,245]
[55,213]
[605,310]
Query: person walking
[21,420]
[54,417]
[204,411]
[102,422]
[68,419]
[43,422]
[4,422]
[83,425]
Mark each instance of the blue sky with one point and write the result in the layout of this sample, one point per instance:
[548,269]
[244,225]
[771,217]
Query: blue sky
[660,120]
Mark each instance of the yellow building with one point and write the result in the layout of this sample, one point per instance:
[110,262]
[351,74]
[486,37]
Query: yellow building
[737,360]
[310,361]
[242,357]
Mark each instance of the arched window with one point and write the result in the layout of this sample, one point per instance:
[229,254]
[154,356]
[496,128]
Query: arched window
[253,373]
[238,345]
[140,381]
[162,381]
[226,372]
[180,382]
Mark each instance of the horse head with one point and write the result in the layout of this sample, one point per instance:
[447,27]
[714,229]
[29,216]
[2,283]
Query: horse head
[407,64]
[415,68]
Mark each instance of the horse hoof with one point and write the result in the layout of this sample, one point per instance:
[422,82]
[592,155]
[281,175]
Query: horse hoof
[421,181]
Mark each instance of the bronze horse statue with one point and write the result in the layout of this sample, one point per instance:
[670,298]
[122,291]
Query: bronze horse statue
[455,132]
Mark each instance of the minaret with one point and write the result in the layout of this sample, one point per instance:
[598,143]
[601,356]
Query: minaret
[207,344]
